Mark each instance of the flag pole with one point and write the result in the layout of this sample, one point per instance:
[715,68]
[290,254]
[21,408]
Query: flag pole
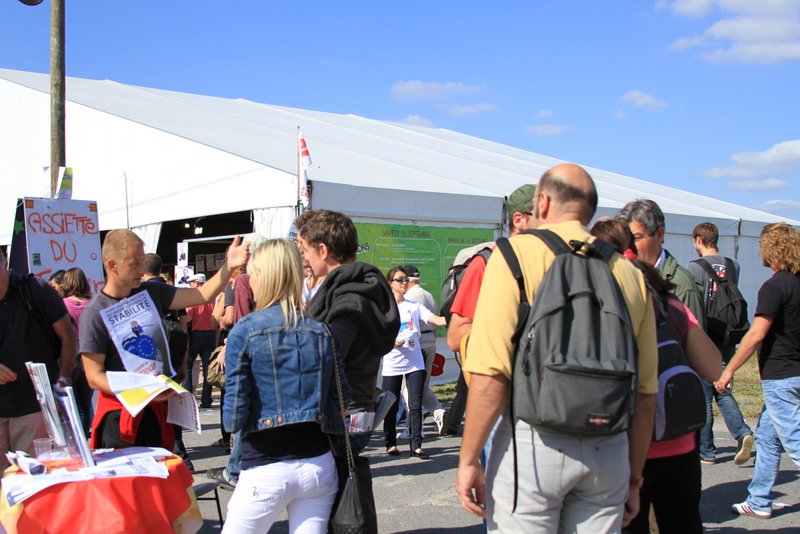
[297,148]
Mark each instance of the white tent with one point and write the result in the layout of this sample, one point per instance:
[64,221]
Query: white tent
[185,156]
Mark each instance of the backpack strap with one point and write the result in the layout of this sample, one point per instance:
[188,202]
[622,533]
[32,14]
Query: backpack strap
[551,239]
[602,249]
[702,262]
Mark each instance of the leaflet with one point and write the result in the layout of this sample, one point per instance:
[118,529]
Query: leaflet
[135,391]
[18,487]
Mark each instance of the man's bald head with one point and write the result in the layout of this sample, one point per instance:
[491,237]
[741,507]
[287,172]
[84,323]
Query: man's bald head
[572,189]
[116,243]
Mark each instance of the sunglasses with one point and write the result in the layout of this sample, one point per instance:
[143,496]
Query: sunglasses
[403,280]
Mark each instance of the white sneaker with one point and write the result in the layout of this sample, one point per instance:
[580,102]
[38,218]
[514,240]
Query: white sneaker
[742,508]
[439,416]
[405,434]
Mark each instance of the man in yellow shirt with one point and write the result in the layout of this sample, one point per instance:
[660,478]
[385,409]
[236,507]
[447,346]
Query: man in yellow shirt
[566,483]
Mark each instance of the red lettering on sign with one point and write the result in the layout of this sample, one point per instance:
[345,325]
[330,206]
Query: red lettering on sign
[60,223]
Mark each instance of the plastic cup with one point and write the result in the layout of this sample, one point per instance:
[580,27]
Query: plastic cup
[43,447]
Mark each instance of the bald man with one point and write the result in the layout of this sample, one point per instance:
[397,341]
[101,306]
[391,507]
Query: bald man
[565,483]
[123,258]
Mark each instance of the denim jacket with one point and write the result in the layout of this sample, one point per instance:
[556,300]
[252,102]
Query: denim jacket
[278,376]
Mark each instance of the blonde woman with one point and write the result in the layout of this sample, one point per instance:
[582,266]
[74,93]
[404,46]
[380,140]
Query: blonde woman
[280,392]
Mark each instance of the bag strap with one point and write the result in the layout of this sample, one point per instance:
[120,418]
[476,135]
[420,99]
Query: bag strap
[351,464]
[702,262]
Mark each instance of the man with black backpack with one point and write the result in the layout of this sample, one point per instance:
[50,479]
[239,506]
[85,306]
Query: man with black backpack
[726,323]
[539,479]
[32,316]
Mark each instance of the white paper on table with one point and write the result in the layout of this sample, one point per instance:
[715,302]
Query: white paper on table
[106,457]
[144,466]
[19,487]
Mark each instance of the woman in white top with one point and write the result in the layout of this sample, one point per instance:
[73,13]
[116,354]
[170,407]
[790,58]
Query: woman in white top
[406,361]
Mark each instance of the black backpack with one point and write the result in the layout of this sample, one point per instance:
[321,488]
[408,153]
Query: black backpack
[177,340]
[576,356]
[681,401]
[453,281]
[726,315]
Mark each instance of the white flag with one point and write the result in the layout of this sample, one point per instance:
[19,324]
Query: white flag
[305,163]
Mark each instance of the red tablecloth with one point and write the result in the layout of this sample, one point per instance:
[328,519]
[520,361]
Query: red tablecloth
[110,505]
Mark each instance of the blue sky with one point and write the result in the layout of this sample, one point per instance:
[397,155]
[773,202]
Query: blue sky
[701,95]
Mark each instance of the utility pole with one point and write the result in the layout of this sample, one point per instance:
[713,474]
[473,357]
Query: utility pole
[58,145]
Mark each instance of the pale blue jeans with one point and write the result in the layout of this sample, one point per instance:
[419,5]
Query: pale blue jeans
[779,425]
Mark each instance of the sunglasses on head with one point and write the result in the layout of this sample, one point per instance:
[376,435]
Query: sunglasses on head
[401,280]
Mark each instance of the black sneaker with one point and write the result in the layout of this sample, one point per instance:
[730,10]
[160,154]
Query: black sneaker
[219,474]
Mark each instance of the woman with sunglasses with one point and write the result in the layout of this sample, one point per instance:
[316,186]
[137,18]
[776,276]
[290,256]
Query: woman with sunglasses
[406,361]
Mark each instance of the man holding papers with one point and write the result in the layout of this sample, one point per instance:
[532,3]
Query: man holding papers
[106,327]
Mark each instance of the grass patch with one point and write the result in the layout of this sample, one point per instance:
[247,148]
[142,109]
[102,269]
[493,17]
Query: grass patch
[747,391]
[444,392]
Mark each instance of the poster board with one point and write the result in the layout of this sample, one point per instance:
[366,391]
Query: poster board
[52,234]
[431,249]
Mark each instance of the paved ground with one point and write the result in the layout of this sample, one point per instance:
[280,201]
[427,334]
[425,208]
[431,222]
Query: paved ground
[416,496]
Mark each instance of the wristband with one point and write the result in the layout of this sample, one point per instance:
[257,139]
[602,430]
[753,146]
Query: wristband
[636,482]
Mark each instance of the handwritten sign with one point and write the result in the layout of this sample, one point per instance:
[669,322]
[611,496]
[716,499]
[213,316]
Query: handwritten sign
[62,234]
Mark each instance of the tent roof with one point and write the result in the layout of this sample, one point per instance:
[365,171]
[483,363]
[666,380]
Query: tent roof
[355,151]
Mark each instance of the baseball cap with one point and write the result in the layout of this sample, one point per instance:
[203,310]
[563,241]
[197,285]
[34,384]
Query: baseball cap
[521,200]
[201,278]
[410,270]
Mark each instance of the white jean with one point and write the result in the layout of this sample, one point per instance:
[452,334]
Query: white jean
[305,488]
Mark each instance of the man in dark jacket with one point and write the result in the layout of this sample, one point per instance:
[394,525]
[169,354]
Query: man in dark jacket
[355,301]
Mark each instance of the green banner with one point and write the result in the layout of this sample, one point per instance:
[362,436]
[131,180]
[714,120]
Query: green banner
[430,249]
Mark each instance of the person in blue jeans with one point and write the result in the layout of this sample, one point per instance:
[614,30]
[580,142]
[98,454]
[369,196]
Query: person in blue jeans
[706,236]
[776,330]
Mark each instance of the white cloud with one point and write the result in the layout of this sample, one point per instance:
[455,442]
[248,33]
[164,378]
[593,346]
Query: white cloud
[620,114]
[416,120]
[463,110]
[760,185]
[780,158]
[546,130]
[543,114]
[788,206]
[414,90]
[746,31]
[640,99]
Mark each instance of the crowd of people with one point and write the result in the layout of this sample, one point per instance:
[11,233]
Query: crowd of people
[302,328]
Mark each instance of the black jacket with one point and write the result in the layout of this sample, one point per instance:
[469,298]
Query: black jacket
[356,303]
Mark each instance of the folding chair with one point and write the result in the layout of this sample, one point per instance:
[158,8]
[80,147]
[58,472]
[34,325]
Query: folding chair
[205,488]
